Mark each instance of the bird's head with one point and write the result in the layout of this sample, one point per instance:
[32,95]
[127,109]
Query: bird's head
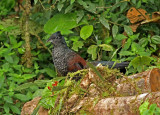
[57,39]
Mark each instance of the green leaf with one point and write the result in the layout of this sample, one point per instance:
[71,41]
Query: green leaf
[21,50]
[28,76]
[15,109]
[155,39]
[61,22]
[91,7]
[21,97]
[81,2]
[153,46]
[74,38]
[134,37]
[93,51]
[114,30]
[138,4]
[143,53]
[106,47]
[107,40]
[143,42]
[140,61]
[128,30]
[86,31]
[24,86]
[58,88]
[143,107]
[137,48]
[38,82]
[80,15]
[104,22]
[1,27]
[6,107]
[152,109]
[70,7]
[72,1]
[88,5]
[60,6]
[50,72]
[35,1]
[8,99]
[77,44]
[9,58]
[13,40]
[120,37]
[127,44]
[2,78]
[126,53]
[123,6]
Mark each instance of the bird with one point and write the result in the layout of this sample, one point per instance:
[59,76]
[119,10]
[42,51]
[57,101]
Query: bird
[66,60]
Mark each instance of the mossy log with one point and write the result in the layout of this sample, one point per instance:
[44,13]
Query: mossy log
[124,105]
[148,81]
[123,96]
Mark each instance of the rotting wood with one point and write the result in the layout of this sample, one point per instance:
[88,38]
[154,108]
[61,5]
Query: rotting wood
[148,81]
[124,105]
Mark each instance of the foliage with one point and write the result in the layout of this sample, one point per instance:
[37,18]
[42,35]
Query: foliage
[145,109]
[13,73]
[6,6]
[93,28]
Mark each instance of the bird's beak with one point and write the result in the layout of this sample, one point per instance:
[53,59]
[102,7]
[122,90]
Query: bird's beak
[49,40]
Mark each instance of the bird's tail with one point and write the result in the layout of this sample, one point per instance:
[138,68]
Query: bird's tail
[111,64]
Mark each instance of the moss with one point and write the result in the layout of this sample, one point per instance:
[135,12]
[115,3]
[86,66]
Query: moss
[105,89]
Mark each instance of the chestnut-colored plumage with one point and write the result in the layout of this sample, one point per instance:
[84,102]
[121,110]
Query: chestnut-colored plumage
[67,60]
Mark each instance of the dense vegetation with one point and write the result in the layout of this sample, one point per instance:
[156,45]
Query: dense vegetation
[93,28]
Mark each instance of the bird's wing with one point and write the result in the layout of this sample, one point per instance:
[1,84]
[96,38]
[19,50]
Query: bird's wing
[75,62]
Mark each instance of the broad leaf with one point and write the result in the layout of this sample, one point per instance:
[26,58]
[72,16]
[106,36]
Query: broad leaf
[8,99]
[9,58]
[120,37]
[15,109]
[127,44]
[70,7]
[140,61]
[2,78]
[6,107]
[24,86]
[106,47]
[77,44]
[143,107]
[128,30]
[136,47]
[143,42]
[60,6]
[104,22]
[114,30]
[60,22]
[72,1]
[80,15]
[126,53]
[57,88]
[93,51]
[21,97]
[155,39]
[28,76]
[123,6]
[86,31]
[50,72]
